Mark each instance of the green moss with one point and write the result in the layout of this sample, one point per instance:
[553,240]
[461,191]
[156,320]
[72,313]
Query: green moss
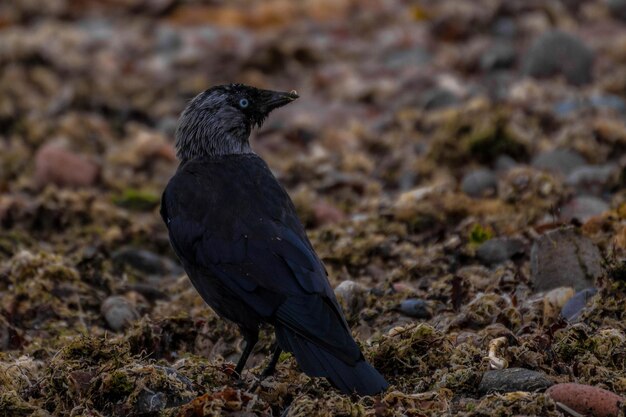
[134,199]
[480,234]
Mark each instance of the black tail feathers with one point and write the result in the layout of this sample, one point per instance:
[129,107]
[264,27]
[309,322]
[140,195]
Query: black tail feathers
[360,378]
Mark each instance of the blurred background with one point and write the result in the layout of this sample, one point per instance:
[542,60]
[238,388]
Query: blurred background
[433,147]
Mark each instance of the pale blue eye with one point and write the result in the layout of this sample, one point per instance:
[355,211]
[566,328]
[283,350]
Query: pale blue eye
[243,103]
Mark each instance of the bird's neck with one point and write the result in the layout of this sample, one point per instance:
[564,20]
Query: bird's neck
[190,147]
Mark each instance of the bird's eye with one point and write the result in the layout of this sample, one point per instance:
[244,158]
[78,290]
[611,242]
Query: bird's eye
[243,103]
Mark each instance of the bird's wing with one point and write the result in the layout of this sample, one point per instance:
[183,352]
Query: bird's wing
[257,248]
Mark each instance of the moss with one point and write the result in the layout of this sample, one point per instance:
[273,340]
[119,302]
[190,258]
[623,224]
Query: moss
[134,199]
[480,234]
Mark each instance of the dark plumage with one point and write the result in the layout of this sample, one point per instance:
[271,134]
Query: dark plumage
[236,232]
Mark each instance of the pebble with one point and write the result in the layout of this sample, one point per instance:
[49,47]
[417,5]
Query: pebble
[438,98]
[499,56]
[497,250]
[590,179]
[554,301]
[617,8]
[325,213]
[587,400]
[118,312]
[56,165]
[179,391]
[480,183]
[559,53]
[561,161]
[574,307]
[513,379]
[583,208]
[564,258]
[351,295]
[145,261]
[504,163]
[414,307]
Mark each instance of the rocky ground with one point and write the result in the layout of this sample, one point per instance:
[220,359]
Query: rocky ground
[460,167]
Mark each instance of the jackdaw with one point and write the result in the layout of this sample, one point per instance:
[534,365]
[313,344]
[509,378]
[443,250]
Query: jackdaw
[236,233]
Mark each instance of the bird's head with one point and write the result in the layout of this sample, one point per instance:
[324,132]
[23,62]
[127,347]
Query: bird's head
[219,120]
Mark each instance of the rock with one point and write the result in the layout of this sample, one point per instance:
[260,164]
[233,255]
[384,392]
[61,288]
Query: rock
[583,208]
[414,307]
[351,296]
[559,53]
[554,301]
[325,213]
[564,258]
[574,307]
[118,312]
[145,261]
[617,8]
[513,379]
[480,183]
[499,56]
[438,98]
[587,400]
[504,163]
[590,179]
[497,250]
[56,165]
[561,161]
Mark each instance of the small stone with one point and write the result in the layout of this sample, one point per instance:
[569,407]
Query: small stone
[513,379]
[351,296]
[499,56]
[497,250]
[480,183]
[504,163]
[583,208]
[559,53]
[564,258]
[56,165]
[617,8]
[145,261]
[438,98]
[574,307]
[325,213]
[118,312]
[587,400]
[561,161]
[414,307]
[591,179]
[554,301]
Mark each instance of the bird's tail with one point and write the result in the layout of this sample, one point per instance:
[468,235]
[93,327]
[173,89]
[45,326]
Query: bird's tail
[360,378]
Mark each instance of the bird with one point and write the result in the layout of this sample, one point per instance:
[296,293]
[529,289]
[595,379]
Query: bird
[236,232]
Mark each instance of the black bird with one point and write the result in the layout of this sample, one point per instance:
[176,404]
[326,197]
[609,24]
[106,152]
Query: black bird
[236,232]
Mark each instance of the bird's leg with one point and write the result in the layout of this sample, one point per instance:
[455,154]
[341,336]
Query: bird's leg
[251,337]
[271,367]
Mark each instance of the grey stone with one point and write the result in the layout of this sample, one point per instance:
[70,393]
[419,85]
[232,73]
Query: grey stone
[438,98]
[480,183]
[351,295]
[583,208]
[145,261]
[118,312]
[617,8]
[591,179]
[498,250]
[564,258]
[561,161]
[513,379]
[414,307]
[504,163]
[499,56]
[559,53]
[573,308]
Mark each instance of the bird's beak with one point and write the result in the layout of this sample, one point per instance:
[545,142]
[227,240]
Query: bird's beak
[271,100]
